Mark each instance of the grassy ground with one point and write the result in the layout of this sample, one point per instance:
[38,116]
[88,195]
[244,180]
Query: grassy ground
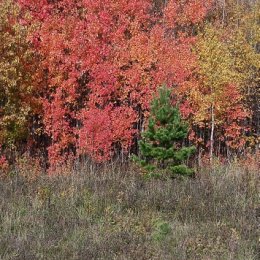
[114,213]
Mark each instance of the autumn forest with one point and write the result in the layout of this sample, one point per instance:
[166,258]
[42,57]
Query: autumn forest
[78,77]
[134,89]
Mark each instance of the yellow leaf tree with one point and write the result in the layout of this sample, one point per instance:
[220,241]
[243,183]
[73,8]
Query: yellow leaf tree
[216,98]
[16,76]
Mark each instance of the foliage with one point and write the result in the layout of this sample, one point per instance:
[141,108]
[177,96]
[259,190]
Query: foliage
[101,64]
[4,166]
[77,77]
[161,146]
[234,29]
[216,101]
[16,76]
[243,42]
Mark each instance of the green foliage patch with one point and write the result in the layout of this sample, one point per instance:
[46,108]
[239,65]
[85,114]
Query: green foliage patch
[161,146]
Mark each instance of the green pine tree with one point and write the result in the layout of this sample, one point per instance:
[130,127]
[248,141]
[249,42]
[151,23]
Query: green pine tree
[161,147]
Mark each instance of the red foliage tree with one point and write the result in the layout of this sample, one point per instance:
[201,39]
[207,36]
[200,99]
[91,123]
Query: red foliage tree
[101,64]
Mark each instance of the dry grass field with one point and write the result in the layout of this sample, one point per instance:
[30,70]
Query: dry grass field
[112,212]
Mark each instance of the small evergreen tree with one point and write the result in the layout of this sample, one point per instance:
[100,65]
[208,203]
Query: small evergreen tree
[161,145]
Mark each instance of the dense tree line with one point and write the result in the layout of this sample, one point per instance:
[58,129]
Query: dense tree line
[77,77]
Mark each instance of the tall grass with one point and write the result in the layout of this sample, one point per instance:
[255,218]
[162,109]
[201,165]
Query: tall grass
[114,213]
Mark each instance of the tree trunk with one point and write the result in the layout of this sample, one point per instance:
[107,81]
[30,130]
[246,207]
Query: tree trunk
[212,133]
[223,12]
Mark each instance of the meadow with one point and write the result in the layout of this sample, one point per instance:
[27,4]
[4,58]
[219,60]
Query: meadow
[113,212]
